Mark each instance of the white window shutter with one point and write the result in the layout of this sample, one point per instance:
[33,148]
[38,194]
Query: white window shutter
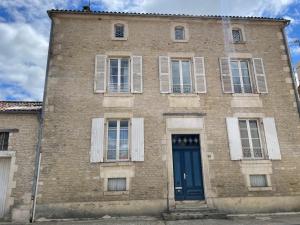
[260,77]
[97,137]
[271,138]
[137,139]
[226,75]
[234,138]
[100,74]
[136,74]
[164,74]
[199,73]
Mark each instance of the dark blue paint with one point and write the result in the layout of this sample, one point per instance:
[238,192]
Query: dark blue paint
[187,160]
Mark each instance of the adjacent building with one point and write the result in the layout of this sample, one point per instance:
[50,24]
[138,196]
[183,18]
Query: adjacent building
[19,127]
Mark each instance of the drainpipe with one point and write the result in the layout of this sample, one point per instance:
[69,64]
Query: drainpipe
[38,153]
[292,69]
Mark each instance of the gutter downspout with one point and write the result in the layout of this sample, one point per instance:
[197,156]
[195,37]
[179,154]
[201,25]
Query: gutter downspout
[41,116]
[292,69]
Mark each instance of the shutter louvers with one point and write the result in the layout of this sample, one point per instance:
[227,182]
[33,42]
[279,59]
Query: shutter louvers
[100,74]
[271,138]
[199,73]
[260,77]
[97,137]
[226,75]
[234,138]
[164,74]
[137,139]
[136,74]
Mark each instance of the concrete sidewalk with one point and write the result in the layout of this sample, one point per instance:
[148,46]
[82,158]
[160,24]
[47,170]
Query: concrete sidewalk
[289,219]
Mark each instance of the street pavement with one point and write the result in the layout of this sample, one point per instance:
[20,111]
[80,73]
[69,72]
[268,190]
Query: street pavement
[291,219]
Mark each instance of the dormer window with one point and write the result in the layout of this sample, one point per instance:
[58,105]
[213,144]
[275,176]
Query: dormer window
[179,33]
[237,35]
[119,31]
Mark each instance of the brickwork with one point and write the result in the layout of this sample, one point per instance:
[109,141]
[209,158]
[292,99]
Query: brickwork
[67,176]
[22,145]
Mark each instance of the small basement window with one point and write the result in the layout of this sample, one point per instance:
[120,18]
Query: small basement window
[116,184]
[4,141]
[258,181]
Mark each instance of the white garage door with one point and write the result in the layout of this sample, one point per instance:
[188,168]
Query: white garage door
[4,177]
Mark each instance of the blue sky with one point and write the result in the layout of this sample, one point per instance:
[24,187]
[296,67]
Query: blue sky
[24,29]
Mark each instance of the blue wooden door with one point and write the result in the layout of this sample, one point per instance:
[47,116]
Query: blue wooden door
[188,182]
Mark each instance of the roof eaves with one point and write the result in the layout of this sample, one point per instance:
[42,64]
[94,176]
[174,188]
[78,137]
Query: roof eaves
[53,11]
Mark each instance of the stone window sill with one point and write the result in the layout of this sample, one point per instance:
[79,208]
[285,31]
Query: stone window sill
[7,153]
[117,163]
[183,95]
[245,95]
[119,39]
[256,161]
[260,188]
[180,41]
[110,193]
[238,42]
[118,95]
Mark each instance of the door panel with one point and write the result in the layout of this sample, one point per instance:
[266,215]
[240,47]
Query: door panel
[4,178]
[188,181]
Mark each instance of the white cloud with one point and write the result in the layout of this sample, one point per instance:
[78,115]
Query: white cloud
[202,7]
[23,54]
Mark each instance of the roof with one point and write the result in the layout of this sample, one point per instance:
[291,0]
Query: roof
[85,12]
[20,106]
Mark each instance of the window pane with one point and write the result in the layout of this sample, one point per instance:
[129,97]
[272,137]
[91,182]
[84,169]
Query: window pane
[116,184]
[179,33]
[243,124]
[124,87]
[236,35]
[112,140]
[246,77]
[119,31]
[4,141]
[113,79]
[175,76]
[257,152]
[245,143]
[186,78]
[246,153]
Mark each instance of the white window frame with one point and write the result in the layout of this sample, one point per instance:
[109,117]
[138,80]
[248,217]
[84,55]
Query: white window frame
[118,140]
[180,75]
[119,75]
[241,75]
[250,139]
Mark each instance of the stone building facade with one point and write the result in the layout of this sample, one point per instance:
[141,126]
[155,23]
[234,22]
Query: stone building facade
[146,111]
[19,125]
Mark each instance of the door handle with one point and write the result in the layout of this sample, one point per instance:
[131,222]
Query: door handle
[178,188]
[184,176]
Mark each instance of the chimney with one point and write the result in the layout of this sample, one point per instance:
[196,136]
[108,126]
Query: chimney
[86,8]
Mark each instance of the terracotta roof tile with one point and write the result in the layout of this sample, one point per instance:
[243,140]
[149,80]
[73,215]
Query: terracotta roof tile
[53,11]
[20,106]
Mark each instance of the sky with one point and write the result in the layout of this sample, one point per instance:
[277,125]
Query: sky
[25,28]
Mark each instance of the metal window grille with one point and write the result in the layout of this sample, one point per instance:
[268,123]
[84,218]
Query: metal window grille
[4,141]
[116,184]
[179,33]
[258,181]
[119,30]
[237,35]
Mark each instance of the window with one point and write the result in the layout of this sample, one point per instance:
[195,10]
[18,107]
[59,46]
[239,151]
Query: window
[258,181]
[119,75]
[117,148]
[181,76]
[4,141]
[179,33]
[241,76]
[116,184]
[251,139]
[119,30]
[237,35]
